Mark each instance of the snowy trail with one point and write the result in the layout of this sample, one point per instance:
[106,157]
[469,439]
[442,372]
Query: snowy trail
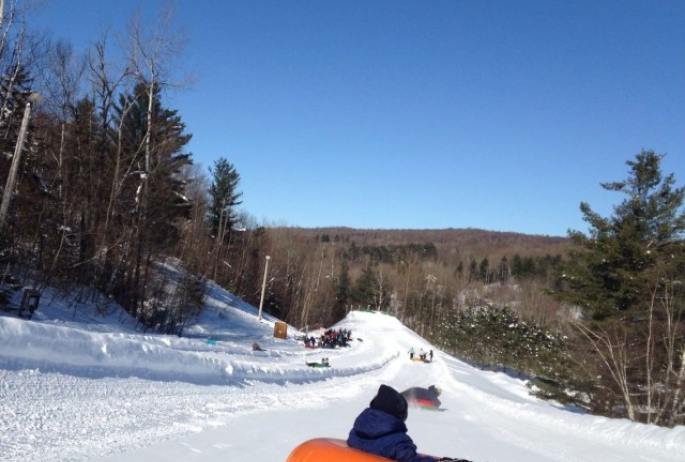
[68,393]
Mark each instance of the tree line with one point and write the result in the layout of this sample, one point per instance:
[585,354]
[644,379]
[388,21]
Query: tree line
[101,197]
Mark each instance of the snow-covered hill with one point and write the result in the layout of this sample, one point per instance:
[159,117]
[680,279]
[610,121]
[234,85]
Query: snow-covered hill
[74,387]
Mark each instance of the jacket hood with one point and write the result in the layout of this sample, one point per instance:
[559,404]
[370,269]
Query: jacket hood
[391,402]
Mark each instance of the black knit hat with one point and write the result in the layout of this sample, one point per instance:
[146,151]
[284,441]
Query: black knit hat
[391,402]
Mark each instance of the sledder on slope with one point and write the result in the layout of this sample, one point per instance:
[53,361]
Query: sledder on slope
[425,398]
[324,363]
[379,434]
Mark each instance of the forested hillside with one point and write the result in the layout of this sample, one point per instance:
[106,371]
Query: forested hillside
[316,275]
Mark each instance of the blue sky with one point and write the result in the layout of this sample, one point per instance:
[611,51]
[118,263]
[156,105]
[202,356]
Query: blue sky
[500,115]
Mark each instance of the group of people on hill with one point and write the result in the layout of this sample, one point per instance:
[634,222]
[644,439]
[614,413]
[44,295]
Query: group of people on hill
[329,339]
[426,356]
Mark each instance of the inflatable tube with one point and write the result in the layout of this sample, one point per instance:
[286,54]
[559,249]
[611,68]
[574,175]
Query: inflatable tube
[330,450]
[318,365]
[425,398]
[427,404]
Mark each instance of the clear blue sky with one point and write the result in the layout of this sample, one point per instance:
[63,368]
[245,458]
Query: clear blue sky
[501,115]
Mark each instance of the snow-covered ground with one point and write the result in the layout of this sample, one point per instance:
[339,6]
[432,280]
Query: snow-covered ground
[78,387]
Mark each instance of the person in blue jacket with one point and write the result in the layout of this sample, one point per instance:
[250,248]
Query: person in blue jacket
[380,429]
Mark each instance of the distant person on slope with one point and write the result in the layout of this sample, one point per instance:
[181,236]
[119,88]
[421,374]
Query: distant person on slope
[380,429]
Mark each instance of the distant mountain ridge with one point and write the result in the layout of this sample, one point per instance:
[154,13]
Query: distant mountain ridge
[477,241]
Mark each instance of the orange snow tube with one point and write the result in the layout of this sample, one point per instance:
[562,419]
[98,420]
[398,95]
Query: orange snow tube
[330,450]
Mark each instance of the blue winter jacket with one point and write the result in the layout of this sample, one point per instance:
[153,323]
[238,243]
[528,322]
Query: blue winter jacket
[382,434]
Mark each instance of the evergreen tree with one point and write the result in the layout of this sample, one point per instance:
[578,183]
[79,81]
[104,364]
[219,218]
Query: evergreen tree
[517,266]
[161,168]
[522,268]
[151,202]
[626,276]
[503,270]
[494,336]
[610,267]
[484,270]
[224,195]
[366,287]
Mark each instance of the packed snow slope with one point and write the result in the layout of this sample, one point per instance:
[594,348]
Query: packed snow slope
[80,387]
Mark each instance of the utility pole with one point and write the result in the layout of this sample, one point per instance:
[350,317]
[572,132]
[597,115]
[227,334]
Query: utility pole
[261,300]
[34,98]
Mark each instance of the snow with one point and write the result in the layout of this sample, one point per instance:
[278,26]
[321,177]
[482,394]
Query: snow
[75,386]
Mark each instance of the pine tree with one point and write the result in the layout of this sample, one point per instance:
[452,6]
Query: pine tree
[151,202]
[503,270]
[626,276]
[610,267]
[484,271]
[225,195]
[366,287]
[163,201]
